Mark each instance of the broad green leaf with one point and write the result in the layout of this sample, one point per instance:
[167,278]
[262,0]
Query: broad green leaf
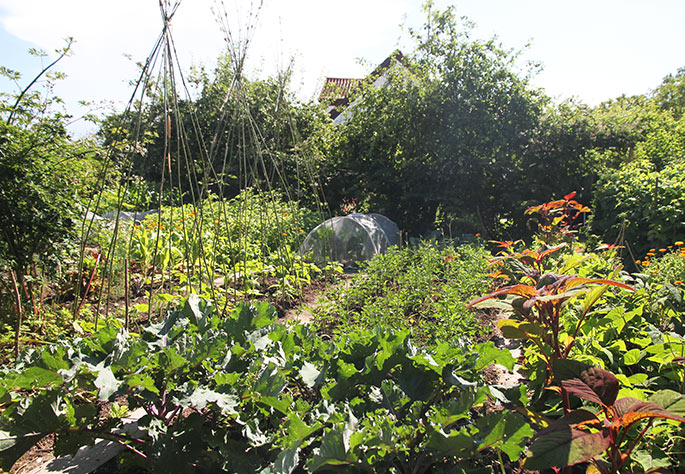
[254,432]
[592,297]
[565,447]
[198,311]
[201,397]
[670,400]
[34,378]
[665,352]
[142,381]
[226,378]
[281,404]
[638,379]
[453,379]
[12,447]
[297,430]
[675,292]
[505,431]
[623,322]
[642,342]
[624,381]
[265,315]
[632,357]
[270,382]
[454,409]
[488,353]
[456,443]
[309,374]
[653,462]
[106,383]
[331,452]
[287,461]
[57,361]
[417,382]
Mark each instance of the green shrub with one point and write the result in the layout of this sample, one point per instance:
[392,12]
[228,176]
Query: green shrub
[649,203]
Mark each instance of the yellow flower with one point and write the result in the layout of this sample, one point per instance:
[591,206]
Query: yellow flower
[678,243]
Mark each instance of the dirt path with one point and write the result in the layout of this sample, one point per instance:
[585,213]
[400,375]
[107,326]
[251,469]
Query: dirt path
[315,298]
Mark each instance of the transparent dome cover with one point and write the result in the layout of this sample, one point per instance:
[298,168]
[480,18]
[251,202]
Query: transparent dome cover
[351,238]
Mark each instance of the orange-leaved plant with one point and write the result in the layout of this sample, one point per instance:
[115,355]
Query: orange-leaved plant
[559,219]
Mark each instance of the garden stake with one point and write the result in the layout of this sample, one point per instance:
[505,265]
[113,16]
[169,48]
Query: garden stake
[126,296]
[90,281]
[17,296]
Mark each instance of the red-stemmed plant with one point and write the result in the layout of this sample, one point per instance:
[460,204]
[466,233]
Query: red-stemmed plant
[602,437]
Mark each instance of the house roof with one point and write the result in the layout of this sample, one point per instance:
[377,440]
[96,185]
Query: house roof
[336,91]
[338,88]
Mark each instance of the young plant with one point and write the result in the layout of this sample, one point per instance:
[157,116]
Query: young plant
[603,438]
[560,219]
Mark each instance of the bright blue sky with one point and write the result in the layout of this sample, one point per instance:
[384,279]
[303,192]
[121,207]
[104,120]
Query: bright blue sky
[591,49]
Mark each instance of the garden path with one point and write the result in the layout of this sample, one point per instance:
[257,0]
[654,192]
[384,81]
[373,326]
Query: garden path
[88,458]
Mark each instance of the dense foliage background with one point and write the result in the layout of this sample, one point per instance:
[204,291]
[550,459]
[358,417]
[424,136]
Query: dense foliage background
[393,374]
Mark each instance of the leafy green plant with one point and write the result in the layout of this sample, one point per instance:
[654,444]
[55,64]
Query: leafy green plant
[424,288]
[642,203]
[582,435]
[240,394]
[540,307]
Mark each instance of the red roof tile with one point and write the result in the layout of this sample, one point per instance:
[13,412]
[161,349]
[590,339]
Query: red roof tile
[338,88]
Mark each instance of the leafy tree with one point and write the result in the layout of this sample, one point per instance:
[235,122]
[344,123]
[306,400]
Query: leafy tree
[443,135]
[44,176]
[573,141]
[670,95]
[639,195]
[642,203]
